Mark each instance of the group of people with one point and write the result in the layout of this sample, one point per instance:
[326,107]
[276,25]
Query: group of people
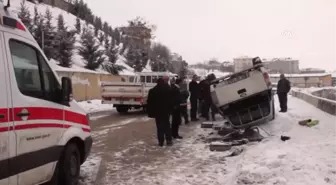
[167,101]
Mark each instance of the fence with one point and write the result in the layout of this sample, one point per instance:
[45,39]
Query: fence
[86,86]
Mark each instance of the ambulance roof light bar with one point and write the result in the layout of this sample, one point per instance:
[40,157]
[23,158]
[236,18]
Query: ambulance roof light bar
[7,5]
[10,22]
[13,23]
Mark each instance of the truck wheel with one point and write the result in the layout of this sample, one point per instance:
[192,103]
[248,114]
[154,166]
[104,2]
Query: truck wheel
[122,109]
[69,167]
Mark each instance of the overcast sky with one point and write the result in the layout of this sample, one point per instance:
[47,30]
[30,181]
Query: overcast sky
[224,29]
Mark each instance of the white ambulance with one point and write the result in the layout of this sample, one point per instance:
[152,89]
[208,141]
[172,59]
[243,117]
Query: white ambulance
[44,135]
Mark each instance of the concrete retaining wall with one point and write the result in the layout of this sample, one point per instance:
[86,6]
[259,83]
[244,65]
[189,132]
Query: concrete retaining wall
[326,93]
[326,105]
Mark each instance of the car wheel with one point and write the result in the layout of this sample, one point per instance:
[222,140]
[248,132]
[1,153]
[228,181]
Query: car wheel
[69,168]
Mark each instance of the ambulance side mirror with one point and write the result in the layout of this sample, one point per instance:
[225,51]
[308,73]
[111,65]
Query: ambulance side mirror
[66,89]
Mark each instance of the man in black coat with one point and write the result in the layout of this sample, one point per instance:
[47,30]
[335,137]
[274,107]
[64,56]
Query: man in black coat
[159,106]
[207,99]
[202,86]
[283,89]
[194,90]
[176,114]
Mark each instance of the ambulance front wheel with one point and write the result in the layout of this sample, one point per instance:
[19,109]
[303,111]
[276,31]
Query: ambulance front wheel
[69,167]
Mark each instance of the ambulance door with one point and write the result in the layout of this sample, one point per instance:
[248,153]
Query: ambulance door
[38,114]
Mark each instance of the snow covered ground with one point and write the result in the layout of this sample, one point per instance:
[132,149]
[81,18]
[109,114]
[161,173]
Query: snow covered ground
[93,106]
[308,158]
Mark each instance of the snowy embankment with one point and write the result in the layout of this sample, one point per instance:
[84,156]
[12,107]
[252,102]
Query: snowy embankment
[308,158]
[95,109]
[70,21]
[92,106]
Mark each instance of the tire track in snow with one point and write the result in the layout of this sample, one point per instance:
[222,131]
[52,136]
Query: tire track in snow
[91,167]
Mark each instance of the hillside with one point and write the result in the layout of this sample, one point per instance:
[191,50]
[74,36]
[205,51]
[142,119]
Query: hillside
[70,21]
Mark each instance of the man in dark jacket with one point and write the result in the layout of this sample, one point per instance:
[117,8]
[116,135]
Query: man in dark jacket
[283,89]
[176,114]
[159,106]
[194,96]
[207,99]
[202,86]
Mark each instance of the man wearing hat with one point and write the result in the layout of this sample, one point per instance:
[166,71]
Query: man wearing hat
[176,114]
[194,90]
[283,89]
[159,106]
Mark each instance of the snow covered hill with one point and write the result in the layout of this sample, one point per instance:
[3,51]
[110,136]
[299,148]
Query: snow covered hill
[70,21]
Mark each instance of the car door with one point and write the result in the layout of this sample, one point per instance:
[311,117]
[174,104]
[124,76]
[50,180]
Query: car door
[7,135]
[37,115]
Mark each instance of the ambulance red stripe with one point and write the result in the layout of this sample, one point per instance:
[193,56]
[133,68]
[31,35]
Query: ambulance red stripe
[44,113]
[38,125]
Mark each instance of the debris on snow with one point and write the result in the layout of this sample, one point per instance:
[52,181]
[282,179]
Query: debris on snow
[220,146]
[284,138]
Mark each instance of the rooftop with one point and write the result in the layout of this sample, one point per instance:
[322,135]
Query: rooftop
[278,59]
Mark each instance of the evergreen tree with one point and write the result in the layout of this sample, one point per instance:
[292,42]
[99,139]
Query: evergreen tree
[78,25]
[184,70]
[66,46]
[38,27]
[50,41]
[111,66]
[101,38]
[116,36]
[110,31]
[66,43]
[137,58]
[160,57]
[96,31]
[89,50]
[24,15]
[36,16]
[106,28]
[107,42]
[60,23]
[98,23]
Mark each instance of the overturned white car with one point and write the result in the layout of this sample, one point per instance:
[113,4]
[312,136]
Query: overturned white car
[245,98]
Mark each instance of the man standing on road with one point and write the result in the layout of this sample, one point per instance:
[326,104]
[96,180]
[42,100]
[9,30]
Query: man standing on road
[283,89]
[202,86]
[176,115]
[159,106]
[207,99]
[194,90]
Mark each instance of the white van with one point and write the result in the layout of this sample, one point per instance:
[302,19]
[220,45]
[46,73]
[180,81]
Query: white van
[44,134]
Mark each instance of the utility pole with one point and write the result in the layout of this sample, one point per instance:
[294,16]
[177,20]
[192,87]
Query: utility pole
[42,40]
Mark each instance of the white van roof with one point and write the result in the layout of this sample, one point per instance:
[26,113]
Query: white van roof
[9,22]
[156,74]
